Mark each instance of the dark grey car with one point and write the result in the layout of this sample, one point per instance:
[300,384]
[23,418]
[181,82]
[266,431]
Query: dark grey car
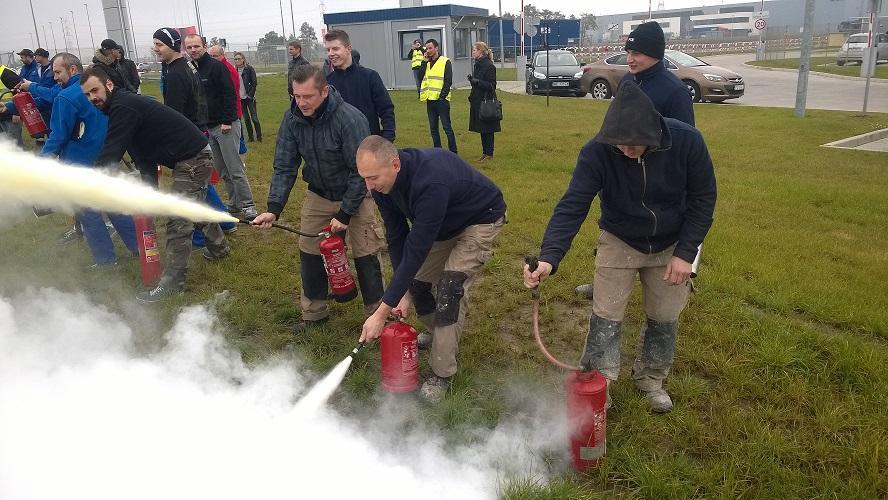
[561,77]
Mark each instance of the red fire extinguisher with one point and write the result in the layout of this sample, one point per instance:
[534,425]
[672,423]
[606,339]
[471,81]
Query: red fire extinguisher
[587,417]
[30,115]
[335,257]
[149,253]
[400,357]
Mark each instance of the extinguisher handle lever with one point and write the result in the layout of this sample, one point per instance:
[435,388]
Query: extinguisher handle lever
[532,264]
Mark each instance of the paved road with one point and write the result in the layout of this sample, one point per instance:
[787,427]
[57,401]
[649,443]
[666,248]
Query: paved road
[778,88]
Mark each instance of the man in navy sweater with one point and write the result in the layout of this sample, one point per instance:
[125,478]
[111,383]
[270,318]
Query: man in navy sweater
[359,86]
[657,189]
[441,218]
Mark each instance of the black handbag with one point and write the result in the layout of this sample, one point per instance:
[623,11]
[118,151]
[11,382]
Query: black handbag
[490,110]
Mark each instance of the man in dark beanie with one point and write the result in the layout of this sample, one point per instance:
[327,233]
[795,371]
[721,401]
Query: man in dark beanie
[181,89]
[657,189]
[645,48]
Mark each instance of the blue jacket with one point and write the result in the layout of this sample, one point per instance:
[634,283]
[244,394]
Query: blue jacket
[78,127]
[46,78]
[363,88]
[29,71]
[435,197]
[664,197]
[669,94]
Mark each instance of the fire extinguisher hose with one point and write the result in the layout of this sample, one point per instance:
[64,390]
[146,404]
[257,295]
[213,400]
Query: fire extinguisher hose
[532,263]
[285,228]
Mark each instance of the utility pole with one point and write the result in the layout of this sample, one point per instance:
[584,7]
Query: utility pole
[77,38]
[292,20]
[870,51]
[283,29]
[64,33]
[197,12]
[91,39]
[34,20]
[805,60]
[502,50]
[55,46]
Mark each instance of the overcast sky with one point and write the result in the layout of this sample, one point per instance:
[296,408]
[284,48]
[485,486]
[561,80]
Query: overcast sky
[239,21]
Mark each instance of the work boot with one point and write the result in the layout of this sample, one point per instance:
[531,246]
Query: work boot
[70,236]
[434,389]
[249,213]
[305,325]
[659,400]
[585,290]
[207,254]
[424,340]
[164,290]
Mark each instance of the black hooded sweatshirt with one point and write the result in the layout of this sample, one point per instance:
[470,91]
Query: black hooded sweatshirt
[665,197]
[218,90]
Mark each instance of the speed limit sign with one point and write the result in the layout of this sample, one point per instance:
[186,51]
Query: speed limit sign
[760,24]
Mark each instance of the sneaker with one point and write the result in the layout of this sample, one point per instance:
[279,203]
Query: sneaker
[434,389]
[249,213]
[659,400]
[207,254]
[306,325]
[424,340]
[585,290]
[70,236]
[102,267]
[162,291]
[111,229]
[232,210]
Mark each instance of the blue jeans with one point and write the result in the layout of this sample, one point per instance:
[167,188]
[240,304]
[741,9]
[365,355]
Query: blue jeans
[213,199]
[98,239]
[440,109]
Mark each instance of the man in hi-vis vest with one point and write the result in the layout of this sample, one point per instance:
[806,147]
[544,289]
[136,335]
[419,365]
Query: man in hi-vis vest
[437,77]
[416,62]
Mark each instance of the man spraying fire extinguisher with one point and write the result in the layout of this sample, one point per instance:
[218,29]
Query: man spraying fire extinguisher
[441,219]
[324,131]
[657,188]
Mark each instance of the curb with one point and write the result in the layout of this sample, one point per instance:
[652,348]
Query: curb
[858,140]
[818,73]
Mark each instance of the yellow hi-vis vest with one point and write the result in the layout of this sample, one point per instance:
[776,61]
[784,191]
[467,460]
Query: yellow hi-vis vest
[433,81]
[2,69]
[416,59]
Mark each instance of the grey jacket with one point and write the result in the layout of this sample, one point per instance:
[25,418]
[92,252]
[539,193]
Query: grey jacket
[294,63]
[328,144]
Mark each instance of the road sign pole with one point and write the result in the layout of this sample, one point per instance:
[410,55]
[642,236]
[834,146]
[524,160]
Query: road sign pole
[805,60]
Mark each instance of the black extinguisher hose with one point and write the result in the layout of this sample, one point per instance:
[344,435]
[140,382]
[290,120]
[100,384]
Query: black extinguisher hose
[285,228]
[532,263]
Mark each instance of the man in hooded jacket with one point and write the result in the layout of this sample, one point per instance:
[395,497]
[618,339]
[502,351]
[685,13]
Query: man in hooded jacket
[657,188]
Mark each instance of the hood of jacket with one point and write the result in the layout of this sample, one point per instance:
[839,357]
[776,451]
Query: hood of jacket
[632,120]
[103,59]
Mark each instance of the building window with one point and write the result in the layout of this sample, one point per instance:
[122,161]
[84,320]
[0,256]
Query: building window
[407,38]
[461,43]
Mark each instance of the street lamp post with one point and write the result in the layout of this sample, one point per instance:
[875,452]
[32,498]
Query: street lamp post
[64,33]
[34,20]
[92,40]
[55,46]
[197,11]
[77,38]
[44,33]
[283,29]
[292,20]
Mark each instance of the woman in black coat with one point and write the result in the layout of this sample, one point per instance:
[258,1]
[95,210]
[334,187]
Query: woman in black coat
[483,80]
[248,84]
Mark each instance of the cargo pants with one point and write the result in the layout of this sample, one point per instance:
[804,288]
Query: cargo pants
[616,265]
[190,179]
[444,313]
[364,238]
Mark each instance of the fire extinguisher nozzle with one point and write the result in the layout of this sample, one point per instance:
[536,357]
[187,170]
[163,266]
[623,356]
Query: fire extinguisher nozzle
[358,349]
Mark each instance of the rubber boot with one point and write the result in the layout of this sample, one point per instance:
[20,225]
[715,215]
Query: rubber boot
[602,347]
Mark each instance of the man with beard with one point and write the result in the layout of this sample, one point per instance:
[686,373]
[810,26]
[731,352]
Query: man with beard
[155,134]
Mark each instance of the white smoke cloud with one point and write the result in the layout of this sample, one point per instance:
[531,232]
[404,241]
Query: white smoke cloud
[85,415]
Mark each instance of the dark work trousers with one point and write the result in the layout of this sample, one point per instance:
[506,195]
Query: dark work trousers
[440,109]
[251,119]
[417,75]
[487,144]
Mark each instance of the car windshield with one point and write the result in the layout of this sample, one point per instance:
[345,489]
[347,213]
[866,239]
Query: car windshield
[685,59]
[557,60]
[857,39]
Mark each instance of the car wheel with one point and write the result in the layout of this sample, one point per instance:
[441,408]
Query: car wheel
[840,62]
[528,88]
[601,89]
[694,90]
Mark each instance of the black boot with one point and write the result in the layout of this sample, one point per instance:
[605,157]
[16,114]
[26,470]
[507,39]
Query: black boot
[602,347]
[369,278]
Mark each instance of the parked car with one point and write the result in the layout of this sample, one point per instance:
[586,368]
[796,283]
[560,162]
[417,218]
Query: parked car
[562,76]
[705,82]
[852,49]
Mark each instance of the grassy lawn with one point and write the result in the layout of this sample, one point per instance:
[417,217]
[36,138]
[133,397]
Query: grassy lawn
[823,65]
[780,380]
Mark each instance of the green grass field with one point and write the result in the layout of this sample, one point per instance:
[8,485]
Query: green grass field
[780,382]
[823,65]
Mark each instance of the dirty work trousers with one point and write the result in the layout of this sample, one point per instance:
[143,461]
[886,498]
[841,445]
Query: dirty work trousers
[364,239]
[616,265]
[451,268]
